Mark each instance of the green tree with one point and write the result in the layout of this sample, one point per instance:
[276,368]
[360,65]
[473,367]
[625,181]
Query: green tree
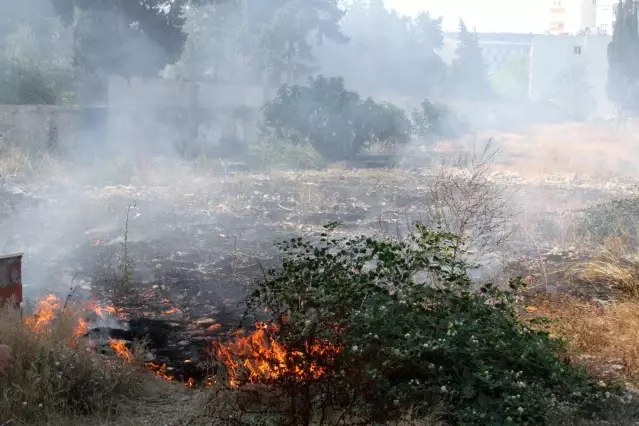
[336,121]
[268,41]
[623,57]
[36,55]
[130,38]
[511,79]
[468,75]
[574,93]
[402,59]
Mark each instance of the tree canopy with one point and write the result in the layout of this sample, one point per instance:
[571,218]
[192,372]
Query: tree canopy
[623,57]
[468,75]
[258,40]
[127,37]
[388,52]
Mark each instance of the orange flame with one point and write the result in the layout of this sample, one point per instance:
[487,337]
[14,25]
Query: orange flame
[45,312]
[119,347]
[259,357]
[160,370]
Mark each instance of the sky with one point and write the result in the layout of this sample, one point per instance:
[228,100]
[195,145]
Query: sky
[521,16]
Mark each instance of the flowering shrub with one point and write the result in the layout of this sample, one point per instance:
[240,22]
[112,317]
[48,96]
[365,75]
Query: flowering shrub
[414,333]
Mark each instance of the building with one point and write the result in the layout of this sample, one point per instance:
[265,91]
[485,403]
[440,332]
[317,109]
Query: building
[606,16]
[497,48]
[554,57]
[569,17]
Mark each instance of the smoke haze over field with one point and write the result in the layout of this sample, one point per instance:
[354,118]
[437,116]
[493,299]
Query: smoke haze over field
[158,108]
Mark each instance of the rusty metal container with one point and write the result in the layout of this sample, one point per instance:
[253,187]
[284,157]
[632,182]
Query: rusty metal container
[11,278]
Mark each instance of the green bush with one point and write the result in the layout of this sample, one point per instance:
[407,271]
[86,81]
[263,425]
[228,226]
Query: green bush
[432,121]
[413,333]
[337,122]
[272,151]
[617,218]
[23,83]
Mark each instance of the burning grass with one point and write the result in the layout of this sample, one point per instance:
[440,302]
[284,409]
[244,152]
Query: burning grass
[56,373]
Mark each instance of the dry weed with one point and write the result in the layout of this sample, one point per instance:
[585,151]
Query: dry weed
[54,374]
[615,266]
[262,405]
[603,337]
[466,200]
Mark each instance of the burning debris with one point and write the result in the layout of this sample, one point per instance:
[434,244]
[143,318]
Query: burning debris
[178,350]
[258,357]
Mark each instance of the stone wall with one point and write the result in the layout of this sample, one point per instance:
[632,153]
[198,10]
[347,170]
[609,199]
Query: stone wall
[141,118]
[39,128]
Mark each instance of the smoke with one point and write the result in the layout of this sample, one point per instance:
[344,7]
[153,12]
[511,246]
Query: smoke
[138,125]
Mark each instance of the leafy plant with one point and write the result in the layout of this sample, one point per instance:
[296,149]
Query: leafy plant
[337,122]
[617,218]
[271,151]
[396,326]
[432,121]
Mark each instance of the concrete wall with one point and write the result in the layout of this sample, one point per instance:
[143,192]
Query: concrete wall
[553,56]
[141,118]
[40,129]
[159,114]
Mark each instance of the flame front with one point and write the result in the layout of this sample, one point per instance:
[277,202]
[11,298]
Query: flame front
[119,347]
[258,357]
[45,312]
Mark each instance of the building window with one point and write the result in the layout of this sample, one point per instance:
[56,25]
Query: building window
[576,50]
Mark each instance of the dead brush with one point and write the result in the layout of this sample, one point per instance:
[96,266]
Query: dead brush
[53,373]
[615,265]
[599,336]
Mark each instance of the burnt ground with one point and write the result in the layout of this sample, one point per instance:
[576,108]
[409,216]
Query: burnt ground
[194,238]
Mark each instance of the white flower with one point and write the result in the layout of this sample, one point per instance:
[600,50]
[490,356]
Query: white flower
[355,348]
[520,409]
[443,389]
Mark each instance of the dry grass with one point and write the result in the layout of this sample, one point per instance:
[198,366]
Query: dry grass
[550,149]
[14,162]
[605,338]
[615,266]
[261,405]
[53,374]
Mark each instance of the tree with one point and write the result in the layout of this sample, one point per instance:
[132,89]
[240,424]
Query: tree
[623,58]
[36,55]
[402,59]
[574,93]
[126,37]
[511,79]
[285,41]
[469,78]
[268,41]
[336,121]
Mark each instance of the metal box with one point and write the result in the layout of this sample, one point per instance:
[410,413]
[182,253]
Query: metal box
[11,278]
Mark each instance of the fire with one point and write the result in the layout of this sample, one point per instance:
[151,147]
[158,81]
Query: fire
[214,327]
[46,311]
[160,370]
[172,310]
[119,347]
[259,357]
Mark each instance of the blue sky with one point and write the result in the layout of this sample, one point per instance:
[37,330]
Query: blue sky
[523,16]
